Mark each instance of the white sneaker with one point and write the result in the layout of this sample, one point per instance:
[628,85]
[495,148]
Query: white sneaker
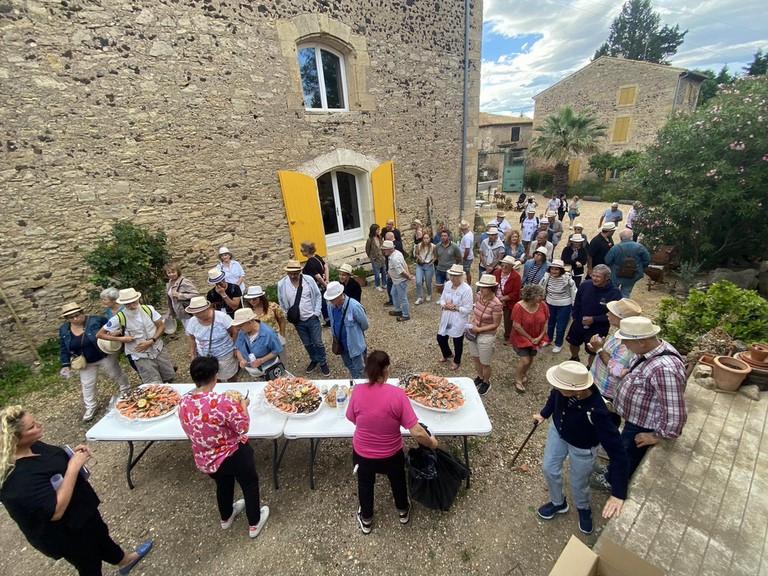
[90,413]
[418,301]
[237,507]
[429,298]
[253,531]
[379,288]
[556,349]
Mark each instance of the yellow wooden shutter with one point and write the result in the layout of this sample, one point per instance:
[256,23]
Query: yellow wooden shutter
[627,95]
[383,188]
[302,206]
[574,167]
[620,129]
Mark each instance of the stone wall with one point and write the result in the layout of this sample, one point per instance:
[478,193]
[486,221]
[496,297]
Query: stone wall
[178,115]
[596,87]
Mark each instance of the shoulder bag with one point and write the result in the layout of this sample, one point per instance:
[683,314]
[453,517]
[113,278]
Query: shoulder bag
[469,334]
[293,315]
[336,346]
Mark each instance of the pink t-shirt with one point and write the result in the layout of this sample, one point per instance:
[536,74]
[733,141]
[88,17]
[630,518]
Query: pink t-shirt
[377,411]
[215,425]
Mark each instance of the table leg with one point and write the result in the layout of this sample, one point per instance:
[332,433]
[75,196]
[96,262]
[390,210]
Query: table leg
[313,444]
[132,462]
[275,464]
[279,460]
[466,458]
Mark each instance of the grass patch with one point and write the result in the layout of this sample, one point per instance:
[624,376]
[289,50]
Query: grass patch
[18,379]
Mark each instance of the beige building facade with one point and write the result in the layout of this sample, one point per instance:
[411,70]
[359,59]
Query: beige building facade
[632,98]
[254,126]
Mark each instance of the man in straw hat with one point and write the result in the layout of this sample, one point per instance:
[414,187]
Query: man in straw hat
[599,246]
[554,228]
[352,287]
[78,338]
[501,223]
[580,421]
[300,297]
[542,241]
[650,396]
[141,328]
[223,295]
[399,274]
[491,252]
[613,214]
[466,245]
[348,326]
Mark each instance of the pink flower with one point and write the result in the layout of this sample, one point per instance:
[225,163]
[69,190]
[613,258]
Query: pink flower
[736,145]
[765,157]
[712,173]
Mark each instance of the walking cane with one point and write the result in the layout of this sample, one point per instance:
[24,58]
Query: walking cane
[533,429]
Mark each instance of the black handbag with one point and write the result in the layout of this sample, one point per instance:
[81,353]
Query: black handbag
[293,315]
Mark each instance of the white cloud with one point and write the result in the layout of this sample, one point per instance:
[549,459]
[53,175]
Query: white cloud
[719,32]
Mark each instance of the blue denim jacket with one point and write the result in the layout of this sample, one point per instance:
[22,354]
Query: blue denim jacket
[355,323]
[91,351]
[266,342]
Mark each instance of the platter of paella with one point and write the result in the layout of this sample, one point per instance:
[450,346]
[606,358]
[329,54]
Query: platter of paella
[293,396]
[148,403]
[433,392]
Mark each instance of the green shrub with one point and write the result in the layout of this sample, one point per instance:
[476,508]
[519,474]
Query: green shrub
[742,313]
[131,257]
[271,292]
[17,379]
[536,179]
[599,188]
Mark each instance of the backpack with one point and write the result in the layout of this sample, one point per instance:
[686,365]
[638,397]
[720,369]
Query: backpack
[121,317]
[627,267]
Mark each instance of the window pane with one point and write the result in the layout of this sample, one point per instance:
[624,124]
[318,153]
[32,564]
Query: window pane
[327,204]
[350,210]
[310,82]
[334,92]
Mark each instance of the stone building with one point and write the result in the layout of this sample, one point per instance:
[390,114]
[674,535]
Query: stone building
[632,98]
[251,125]
[502,144]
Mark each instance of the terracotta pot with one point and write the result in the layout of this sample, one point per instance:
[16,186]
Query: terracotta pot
[729,372]
[758,352]
[707,359]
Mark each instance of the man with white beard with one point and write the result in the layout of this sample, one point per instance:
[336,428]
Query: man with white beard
[140,328]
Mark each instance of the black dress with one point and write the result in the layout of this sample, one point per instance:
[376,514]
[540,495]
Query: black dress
[353,289]
[313,266]
[80,536]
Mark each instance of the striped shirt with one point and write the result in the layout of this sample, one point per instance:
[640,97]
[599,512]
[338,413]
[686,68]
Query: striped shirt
[558,290]
[607,376]
[651,396]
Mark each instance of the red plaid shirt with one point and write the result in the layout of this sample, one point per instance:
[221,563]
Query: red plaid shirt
[651,395]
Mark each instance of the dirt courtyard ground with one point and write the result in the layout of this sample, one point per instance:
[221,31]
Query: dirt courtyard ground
[491,529]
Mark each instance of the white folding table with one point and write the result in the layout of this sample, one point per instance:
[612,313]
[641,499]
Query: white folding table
[470,420]
[265,424]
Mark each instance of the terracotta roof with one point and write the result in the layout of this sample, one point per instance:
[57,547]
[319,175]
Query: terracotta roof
[502,119]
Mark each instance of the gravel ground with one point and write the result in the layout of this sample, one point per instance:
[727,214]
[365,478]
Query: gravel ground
[492,527]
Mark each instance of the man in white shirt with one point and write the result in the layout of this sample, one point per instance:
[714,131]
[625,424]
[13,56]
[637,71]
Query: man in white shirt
[501,223]
[491,251]
[553,204]
[529,226]
[141,328]
[400,274]
[465,246]
[554,228]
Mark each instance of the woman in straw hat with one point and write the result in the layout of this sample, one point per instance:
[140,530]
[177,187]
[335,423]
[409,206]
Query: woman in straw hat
[559,294]
[456,304]
[211,333]
[257,346]
[529,330]
[508,290]
[46,492]
[575,256]
[79,349]
[580,421]
[535,267]
[268,312]
[481,331]
[232,269]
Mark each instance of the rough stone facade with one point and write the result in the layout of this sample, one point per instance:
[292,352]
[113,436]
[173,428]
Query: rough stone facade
[650,93]
[178,115]
[496,138]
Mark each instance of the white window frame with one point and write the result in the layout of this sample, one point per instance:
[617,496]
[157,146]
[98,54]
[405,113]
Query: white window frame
[321,77]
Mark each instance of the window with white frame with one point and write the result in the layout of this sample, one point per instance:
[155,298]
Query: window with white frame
[323,79]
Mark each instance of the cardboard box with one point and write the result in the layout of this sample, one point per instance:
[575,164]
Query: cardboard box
[577,559]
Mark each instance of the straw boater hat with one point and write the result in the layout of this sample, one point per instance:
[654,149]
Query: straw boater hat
[224,250]
[70,308]
[197,304]
[608,226]
[333,290]
[557,264]
[109,346]
[170,324]
[542,250]
[487,281]
[500,214]
[509,260]
[625,308]
[530,210]
[387,245]
[346,268]
[578,225]
[464,225]
[551,214]
[636,328]
[292,266]
[493,230]
[570,375]
[254,291]
[243,315]
[577,238]
[455,270]
[417,222]
[215,276]
[127,296]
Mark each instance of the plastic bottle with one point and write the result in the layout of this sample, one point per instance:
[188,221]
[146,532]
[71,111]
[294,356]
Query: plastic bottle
[341,403]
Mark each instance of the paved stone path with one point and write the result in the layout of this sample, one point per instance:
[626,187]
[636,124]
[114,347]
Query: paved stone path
[700,505]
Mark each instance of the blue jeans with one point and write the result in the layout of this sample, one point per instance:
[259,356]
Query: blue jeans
[354,364]
[626,285]
[400,298]
[634,454]
[424,272]
[311,334]
[558,321]
[582,460]
[379,274]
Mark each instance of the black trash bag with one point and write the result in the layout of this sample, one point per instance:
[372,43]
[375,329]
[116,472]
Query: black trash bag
[438,490]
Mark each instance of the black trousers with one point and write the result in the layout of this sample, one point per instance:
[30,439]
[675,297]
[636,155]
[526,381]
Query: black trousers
[458,345]
[394,468]
[91,545]
[241,467]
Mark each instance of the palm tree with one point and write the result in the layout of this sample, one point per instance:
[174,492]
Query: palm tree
[563,136]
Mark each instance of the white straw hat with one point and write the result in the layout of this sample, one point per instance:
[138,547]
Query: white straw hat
[333,290]
[127,296]
[637,328]
[243,315]
[197,304]
[570,375]
[254,291]
[487,281]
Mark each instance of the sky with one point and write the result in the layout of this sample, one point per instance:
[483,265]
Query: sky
[528,45]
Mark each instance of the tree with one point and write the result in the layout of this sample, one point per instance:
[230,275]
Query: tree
[131,257]
[759,65]
[635,34]
[564,135]
[709,86]
[606,162]
[704,181]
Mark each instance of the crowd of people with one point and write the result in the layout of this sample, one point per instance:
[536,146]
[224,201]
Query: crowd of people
[234,329]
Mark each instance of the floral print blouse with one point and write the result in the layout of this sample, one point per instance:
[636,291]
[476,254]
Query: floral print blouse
[215,424]
[272,316]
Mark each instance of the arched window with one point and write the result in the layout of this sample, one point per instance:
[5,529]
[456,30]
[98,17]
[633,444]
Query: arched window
[323,79]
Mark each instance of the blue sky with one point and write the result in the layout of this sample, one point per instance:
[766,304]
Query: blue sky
[528,45]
